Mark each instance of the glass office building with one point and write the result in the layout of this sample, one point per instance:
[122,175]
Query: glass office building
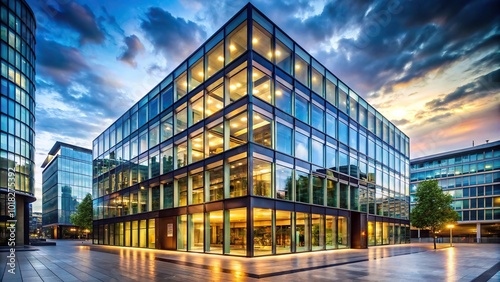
[472,177]
[251,147]
[66,180]
[17,118]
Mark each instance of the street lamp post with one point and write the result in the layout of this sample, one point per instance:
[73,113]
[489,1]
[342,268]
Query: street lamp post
[451,234]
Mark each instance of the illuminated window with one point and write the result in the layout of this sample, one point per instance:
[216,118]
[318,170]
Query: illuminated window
[180,87]
[261,41]
[262,178]
[215,60]
[301,107]
[283,57]
[196,74]
[196,104]
[301,187]
[236,42]
[167,159]
[197,152]
[284,183]
[182,190]
[167,128]
[238,175]
[181,119]
[197,188]
[215,174]
[262,132]
[196,232]
[238,83]
[317,82]
[283,98]
[215,139]
[238,129]
[261,85]
[262,237]
[181,154]
[214,97]
[301,70]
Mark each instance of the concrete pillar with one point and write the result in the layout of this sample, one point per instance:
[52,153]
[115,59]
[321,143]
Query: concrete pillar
[478,232]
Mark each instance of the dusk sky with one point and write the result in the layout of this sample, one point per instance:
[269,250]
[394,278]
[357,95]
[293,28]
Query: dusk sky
[431,67]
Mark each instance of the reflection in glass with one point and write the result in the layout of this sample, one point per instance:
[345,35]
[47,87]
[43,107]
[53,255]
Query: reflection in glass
[301,146]
[317,232]
[301,187]
[301,108]
[301,70]
[283,57]
[262,130]
[343,234]
[317,82]
[331,231]
[302,232]
[262,231]
[262,178]
[283,232]
[284,183]
[261,85]
[180,88]
[182,190]
[236,42]
[283,98]
[238,231]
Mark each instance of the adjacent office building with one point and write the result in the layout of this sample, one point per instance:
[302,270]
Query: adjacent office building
[472,177]
[17,119]
[66,180]
[251,147]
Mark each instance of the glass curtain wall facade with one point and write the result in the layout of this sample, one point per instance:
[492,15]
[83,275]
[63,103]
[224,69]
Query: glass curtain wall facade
[66,180]
[251,147]
[472,177]
[17,118]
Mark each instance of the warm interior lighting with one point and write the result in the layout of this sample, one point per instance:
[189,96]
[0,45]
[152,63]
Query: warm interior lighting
[450,225]
[232,87]
[218,106]
[243,119]
[220,58]
[269,54]
[255,40]
[232,47]
[297,66]
[278,53]
[200,73]
[234,125]
[255,91]
[278,93]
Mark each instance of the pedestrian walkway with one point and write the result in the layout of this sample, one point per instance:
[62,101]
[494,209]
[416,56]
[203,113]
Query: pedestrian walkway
[77,261]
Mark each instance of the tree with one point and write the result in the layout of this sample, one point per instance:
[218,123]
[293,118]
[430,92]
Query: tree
[83,215]
[433,209]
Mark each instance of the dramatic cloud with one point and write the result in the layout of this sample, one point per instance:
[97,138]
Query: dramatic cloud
[58,62]
[483,86]
[78,17]
[133,48]
[173,37]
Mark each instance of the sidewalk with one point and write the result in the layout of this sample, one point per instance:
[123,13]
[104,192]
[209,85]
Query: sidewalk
[77,261]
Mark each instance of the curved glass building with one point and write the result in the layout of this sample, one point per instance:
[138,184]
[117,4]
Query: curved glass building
[251,147]
[17,120]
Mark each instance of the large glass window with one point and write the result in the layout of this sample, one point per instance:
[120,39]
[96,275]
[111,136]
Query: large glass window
[262,185]
[302,232]
[262,133]
[343,133]
[331,193]
[317,232]
[197,184]
[215,60]
[283,232]
[182,191]
[215,174]
[238,178]
[261,41]
[238,130]
[301,70]
[181,119]
[167,129]
[283,57]
[215,232]
[331,231]
[331,158]
[302,186]
[180,86]
[197,152]
[236,43]
[318,190]
[344,196]
[283,98]
[262,84]
[284,138]
[301,146]
[262,231]
[154,135]
[181,153]
[343,99]
[167,160]
[166,99]
[168,194]
[196,232]
[238,83]
[237,231]
[215,139]
[317,153]
[284,183]
[196,74]
[343,232]
[301,108]
[317,82]
[197,109]
[182,232]
[214,97]
[318,118]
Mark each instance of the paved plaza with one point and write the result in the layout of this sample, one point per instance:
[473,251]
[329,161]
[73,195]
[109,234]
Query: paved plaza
[81,261]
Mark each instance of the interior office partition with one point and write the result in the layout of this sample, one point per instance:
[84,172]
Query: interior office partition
[17,120]
[472,176]
[251,147]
